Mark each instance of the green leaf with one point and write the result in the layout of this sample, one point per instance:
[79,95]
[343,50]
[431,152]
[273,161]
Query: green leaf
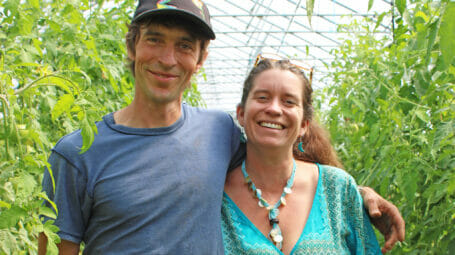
[8,241]
[57,81]
[422,15]
[374,132]
[75,17]
[50,231]
[447,34]
[34,3]
[5,204]
[358,103]
[309,9]
[422,115]
[379,21]
[435,192]
[451,186]
[37,45]
[87,136]
[27,183]
[401,5]
[63,104]
[421,84]
[48,212]
[45,197]
[433,31]
[410,186]
[11,216]
[370,4]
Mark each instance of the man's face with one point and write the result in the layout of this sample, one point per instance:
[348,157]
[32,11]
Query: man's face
[165,60]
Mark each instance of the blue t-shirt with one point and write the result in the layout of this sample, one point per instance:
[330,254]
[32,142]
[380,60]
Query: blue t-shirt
[337,223]
[145,191]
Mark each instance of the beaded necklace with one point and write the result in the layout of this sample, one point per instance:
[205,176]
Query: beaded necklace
[275,233]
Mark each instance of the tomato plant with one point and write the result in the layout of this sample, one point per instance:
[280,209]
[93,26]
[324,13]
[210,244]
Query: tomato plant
[62,67]
[391,115]
[391,107]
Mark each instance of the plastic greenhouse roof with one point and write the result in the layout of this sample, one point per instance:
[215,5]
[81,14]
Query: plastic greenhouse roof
[245,28]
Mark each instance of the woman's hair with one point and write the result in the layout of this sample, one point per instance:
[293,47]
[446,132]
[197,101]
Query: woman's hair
[168,21]
[316,140]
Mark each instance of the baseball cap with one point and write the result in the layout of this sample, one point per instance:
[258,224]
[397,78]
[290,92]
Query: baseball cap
[193,10]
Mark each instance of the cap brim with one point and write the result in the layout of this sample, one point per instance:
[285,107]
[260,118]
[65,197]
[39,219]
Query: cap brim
[182,13]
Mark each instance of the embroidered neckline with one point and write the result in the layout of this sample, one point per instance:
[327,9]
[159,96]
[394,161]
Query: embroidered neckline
[275,234]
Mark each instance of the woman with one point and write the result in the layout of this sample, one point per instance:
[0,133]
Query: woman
[279,201]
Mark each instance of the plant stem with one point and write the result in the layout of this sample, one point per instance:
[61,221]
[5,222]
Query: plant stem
[31,84]
[5,109]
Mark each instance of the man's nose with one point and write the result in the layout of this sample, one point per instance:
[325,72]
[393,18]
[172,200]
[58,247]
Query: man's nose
[167,56]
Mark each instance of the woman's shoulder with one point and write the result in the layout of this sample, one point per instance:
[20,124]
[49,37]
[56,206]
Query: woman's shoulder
[336,175]
[234,181]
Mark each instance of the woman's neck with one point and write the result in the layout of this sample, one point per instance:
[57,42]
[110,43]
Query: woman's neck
[269,170]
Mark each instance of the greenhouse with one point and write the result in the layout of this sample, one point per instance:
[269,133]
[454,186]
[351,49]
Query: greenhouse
[245,29]
[382,74]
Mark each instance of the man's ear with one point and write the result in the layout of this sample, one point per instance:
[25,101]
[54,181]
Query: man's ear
[241,115]
[205,53]
[131,54]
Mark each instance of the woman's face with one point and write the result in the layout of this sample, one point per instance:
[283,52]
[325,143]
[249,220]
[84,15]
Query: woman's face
[273,112]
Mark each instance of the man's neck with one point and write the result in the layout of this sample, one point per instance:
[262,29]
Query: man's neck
[148,115]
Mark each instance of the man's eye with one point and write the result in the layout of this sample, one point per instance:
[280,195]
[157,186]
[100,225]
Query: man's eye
[152,39]
[186,46]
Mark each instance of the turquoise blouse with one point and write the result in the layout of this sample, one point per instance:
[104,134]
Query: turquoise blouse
[337,224]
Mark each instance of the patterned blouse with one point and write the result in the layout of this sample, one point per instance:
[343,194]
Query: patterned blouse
[337,224]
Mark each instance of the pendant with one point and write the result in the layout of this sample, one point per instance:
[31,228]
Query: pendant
[275,233]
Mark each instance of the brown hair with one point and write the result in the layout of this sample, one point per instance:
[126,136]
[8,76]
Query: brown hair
[169,21]
[316,141]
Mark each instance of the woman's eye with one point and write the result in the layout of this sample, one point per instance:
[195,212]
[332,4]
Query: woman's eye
[290,102]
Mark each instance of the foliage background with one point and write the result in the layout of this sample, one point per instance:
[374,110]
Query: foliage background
[391,111]
[391,116]
[61,69]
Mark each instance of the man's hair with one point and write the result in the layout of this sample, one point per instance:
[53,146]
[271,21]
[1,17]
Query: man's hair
[168,21]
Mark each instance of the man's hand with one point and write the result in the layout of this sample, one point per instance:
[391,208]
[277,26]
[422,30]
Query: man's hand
[385,217]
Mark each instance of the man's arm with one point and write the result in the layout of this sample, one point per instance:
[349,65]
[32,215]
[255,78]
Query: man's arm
[64,247]
[385,216]
[69,196]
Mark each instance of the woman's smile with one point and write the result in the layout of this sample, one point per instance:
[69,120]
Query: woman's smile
[271,125]
[273,114]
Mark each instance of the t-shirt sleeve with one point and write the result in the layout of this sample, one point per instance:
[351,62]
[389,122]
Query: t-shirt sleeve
[362,238]
[70,196]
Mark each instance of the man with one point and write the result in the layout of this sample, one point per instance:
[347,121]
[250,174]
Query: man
[152,181]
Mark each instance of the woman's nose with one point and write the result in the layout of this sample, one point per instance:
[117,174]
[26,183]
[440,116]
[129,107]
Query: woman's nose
[274,107]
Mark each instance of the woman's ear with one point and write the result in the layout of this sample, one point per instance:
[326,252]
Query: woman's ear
[304,127]
[240,115]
